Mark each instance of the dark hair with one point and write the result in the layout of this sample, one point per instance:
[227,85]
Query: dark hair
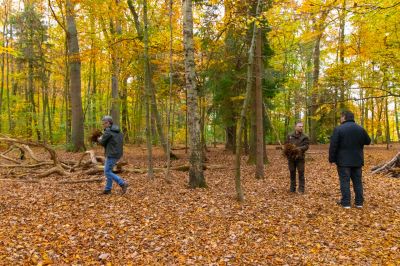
[347,115]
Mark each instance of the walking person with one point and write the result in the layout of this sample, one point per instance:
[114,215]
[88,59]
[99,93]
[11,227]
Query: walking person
[112,140]
[301,143]
[346,150]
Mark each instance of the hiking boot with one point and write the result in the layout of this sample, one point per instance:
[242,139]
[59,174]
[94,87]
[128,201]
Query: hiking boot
[359,206]
[124,187]
[106,192]
[343,206]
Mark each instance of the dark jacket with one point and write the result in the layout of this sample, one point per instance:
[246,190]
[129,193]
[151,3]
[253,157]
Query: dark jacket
[113,141]
[301,141]
[347,145]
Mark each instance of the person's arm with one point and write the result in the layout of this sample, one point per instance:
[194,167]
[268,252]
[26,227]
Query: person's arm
[305,144]
[106,137]
[333,146]
[367,139]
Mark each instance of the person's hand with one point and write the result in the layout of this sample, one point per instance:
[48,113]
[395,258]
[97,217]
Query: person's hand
[99,139]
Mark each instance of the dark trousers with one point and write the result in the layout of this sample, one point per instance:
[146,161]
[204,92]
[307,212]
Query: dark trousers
[300,166]
[355,174]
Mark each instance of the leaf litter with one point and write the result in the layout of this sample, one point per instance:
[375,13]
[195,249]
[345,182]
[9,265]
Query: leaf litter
[160,222]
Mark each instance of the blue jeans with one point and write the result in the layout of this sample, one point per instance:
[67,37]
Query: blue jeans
[108,166]
[355,174]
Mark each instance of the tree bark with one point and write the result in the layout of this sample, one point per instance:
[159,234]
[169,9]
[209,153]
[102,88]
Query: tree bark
[147,80]
[75,79]
[238,184]
[396,112]
[259,110]
[115,101]
[196,175]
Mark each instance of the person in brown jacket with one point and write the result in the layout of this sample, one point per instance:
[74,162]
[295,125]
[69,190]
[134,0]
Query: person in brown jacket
[301,143]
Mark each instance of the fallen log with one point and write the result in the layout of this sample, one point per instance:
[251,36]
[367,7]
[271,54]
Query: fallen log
[55,170]
[391,168]
[20,180]
[87,180]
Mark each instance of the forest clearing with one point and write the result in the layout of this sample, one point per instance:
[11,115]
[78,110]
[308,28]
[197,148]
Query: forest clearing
[166,223]
[209,111]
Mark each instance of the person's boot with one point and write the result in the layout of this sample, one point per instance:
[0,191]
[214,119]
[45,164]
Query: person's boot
[105,192]
[124,187]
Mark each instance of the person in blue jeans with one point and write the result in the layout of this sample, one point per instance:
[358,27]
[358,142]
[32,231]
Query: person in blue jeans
[346,150]
[113,141]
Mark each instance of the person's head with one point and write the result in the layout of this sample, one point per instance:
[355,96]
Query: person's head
[346,116]
[299,127]
[107,121]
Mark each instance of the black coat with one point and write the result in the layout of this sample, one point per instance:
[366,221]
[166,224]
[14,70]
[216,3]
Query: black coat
[113,141]
[347,145]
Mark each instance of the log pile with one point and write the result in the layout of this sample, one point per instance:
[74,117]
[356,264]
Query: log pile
[23,164]
[390,168]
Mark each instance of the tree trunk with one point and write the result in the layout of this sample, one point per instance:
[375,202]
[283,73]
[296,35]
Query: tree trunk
[75,79]
[147,81]
[3,56]
[230,141]
[318,28]
[124,109]
[387,122]
[341,55]
[154,110]
[396,113]
[115,102]
[196,175]
[238,185]
[169,105]
[259,110]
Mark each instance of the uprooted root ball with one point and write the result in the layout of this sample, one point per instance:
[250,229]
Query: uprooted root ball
[291,151]
[95,135]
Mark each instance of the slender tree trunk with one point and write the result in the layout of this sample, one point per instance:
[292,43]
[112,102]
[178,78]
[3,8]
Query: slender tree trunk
[253,125]
[318,28]
[396,114]
[3,55]
[314,92]
[10,126]
[150,172]
[259,110]
[153,99]
[246,137]
[372,122]
[238,185]
[124,109]
[169,105]
[387,133]
[115,101]
[341,54]
[75,79]
[196,175]
[230,141]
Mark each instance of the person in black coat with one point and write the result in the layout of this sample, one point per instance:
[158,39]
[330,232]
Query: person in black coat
[346,150]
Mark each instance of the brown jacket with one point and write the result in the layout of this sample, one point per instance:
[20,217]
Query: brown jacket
[301,141]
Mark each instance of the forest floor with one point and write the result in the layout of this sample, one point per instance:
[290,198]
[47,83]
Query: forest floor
[161,223]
